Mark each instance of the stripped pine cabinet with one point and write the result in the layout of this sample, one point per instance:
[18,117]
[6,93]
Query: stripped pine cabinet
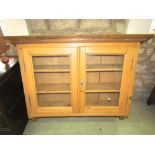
[78,76]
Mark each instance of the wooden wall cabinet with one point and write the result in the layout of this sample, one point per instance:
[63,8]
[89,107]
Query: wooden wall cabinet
[80,81]
[76,78]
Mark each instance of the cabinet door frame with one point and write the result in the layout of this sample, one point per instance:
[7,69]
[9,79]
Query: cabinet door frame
[111,50]
[26,54]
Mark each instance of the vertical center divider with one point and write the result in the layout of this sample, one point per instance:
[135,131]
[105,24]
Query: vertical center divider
[78,79]
[82,89]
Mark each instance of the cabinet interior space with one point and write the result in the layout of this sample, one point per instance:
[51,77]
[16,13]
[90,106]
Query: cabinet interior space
[107,81]
[103,77]
[52,78]
[54,100]
[102,99]
[104,73]
[51,63]
[52,82]
[104,62]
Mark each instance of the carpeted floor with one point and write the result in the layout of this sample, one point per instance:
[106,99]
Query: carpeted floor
[141,121]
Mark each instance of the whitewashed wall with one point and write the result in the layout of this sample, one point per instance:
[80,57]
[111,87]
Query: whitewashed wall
[14,27]
[139,26]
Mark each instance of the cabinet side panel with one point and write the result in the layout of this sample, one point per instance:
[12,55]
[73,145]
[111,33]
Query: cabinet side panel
[24,80]
[134,52]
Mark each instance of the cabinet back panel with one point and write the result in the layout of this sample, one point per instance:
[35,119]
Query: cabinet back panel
[54,100]
[102,99]
[110,77]
[103,77]
[52,77]
[106,59]
[51,60]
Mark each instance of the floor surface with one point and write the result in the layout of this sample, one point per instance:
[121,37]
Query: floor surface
[141,121]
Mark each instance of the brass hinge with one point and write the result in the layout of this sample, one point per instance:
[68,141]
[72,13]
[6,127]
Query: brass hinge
[30,100]
[81,85]
[131,63]
[24,65]
[126,100]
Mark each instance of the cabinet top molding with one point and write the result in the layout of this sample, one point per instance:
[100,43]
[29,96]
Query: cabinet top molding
[78,39]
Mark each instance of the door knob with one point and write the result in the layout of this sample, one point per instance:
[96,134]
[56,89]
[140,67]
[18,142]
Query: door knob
[81,85]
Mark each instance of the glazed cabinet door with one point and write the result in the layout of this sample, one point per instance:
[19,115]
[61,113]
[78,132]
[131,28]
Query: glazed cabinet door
[51,80]
[104,79]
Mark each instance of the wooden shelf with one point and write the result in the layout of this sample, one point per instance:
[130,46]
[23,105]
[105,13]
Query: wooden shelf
[103,87]
[102,103]
[104,67]
[51,68]
[53,88]
[54,104]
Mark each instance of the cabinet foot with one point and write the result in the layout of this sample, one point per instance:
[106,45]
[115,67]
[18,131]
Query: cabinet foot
[34,119]
[149,102]
[122,117]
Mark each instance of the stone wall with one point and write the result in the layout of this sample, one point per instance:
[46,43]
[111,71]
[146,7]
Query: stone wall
[145,74]
[76,26]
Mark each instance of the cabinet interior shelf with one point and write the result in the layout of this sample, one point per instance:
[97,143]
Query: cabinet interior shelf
[53,88]
[54,103]
[51,68]
[104,67]
[65,88]
[103,87]
[102,103]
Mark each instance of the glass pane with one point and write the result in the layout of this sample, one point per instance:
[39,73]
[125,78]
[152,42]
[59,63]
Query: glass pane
[52,82]
[52,79]
[58,63]
[103,81]
[103,62]
[55,100]
[102,99]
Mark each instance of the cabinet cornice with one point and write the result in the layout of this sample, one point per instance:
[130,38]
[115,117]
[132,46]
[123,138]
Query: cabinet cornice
[78,39]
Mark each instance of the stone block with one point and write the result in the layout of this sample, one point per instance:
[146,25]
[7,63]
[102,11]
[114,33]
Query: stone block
[61,24]
[153,70]
[138,83]
[149,51]
[153,41]
[149,82]
[120,27]
[141,51]
[149,76]
[141,68]
[94,23]
[36,24]
[141,59]
[153,57]
[150,41]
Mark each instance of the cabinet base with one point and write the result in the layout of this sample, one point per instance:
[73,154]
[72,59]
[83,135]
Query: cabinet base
[122,117]
[34,119]
[119,115]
